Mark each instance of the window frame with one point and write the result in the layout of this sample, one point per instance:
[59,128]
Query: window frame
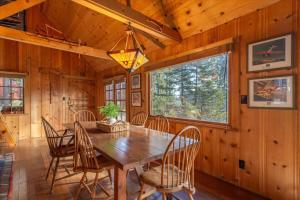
[190,58]
[14,76]
[114,81]
[122,112]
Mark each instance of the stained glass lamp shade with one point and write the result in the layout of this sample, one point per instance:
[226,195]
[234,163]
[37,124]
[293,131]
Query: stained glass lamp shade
[129,58]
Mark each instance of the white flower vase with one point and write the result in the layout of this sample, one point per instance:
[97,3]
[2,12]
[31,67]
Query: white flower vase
[112,120]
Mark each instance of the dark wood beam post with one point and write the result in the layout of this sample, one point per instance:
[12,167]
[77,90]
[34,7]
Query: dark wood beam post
[127,15]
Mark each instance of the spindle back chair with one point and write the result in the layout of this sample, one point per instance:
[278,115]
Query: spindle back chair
[84,148]
[84,116]
[139,119]
[87,160]
[177,170]
[60,146]
[159,123]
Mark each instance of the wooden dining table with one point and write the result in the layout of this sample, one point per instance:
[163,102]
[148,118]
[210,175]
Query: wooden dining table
[128,149]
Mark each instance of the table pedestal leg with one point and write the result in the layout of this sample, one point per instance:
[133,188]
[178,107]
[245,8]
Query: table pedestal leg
[119,184]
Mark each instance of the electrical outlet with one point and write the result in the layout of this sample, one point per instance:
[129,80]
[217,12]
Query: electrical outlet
[242,164]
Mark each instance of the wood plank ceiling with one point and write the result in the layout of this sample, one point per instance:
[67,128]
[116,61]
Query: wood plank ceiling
[189,16]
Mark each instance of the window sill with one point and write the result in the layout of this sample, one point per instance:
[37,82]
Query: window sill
[215,125]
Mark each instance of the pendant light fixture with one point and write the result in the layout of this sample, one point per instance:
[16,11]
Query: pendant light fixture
[132,56]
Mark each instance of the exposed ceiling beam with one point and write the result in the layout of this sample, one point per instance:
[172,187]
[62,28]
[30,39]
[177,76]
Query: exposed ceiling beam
[17,6]
[147,35]
[127,15]
[34,39]
[151,38]
[167,14]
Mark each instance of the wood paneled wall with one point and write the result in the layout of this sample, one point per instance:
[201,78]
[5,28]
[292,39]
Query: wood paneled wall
[55,81]
[267,139]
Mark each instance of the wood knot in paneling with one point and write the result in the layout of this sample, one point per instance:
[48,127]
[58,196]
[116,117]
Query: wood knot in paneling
[233,145]
[275,141]
[222,141]
[289,16]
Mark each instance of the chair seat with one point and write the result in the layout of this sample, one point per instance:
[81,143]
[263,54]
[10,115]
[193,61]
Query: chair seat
[64,151]
[103,163]
[152,177]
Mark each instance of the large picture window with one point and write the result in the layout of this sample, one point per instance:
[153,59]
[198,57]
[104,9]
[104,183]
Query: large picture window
[11,95]
[195,90]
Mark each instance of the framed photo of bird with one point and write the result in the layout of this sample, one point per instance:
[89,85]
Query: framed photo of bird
[274,53]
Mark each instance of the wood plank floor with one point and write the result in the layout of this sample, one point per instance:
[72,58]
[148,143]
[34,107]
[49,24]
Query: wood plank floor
[32,160]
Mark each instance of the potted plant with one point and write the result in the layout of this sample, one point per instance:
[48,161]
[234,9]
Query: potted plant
[110,111]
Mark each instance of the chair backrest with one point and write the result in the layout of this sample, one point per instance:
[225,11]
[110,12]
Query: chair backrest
[159,123]
[178,161]
[51,135]
[139,119]
[84,149]
[84,116]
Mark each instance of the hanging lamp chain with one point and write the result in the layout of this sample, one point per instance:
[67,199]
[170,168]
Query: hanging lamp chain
[129,33]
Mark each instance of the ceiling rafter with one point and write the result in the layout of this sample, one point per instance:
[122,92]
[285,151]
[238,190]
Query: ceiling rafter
[17,6]
[151,38]
[126,15]
[34,39]
[147,35]
[169,19]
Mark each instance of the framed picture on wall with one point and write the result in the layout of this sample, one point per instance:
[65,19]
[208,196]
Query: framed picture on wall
[136,81]
[136,99]
[271,92]
[271,54]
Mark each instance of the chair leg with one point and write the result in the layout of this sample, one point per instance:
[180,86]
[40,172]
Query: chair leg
[110,176]
[164,196]
[169,196]
[49,168]
[93,195]
[191,196]
[80,185]
[141,192]
[54,174]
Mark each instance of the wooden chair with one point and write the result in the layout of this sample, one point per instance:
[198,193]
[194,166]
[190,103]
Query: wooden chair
[139,119]
[89,161]
[177,170]
[60,146]
[84,116]
[159,123]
